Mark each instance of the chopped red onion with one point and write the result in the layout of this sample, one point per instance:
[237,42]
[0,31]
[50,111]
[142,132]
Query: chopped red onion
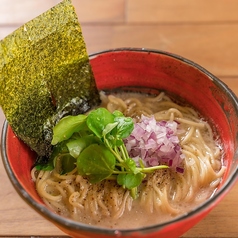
[156,143]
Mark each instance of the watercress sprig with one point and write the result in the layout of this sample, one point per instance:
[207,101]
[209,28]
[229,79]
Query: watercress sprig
[94,144]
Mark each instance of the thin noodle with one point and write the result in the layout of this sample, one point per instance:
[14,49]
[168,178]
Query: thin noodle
[162,192]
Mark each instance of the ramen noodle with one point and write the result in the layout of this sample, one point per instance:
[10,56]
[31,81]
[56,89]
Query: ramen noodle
[163,194]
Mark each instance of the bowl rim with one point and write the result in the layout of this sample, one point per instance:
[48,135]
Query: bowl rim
[77,226]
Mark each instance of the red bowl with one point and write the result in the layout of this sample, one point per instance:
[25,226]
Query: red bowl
[145,70]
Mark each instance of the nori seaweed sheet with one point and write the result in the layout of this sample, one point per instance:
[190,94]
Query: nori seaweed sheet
[45,74]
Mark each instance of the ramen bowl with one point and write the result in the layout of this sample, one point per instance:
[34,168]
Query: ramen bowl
[147,71]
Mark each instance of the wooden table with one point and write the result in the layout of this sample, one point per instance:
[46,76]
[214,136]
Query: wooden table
[205,31]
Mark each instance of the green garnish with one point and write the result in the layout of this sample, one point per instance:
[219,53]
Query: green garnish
[95,145]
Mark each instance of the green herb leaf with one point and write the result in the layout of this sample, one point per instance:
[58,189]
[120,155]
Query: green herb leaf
[96,143]
[120,129]
[96,162]
[130,180]
[44,167]
[64,163]
[117,113]
[44,163]
[109,127]
[67,126]
[130,165]
[75,147]
[98,119]
[61,160]
[124,127]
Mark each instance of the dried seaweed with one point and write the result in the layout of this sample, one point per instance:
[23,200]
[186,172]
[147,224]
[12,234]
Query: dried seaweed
[45,74]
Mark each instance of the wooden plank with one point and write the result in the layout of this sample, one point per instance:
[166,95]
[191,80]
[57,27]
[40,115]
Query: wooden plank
[232,83]
[12,11]
[92,11]
[19,12]
[5,30]
[141,11]
[212,46]
[98,37]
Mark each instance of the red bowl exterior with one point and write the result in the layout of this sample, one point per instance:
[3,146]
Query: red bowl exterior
[163,72]
[146,70]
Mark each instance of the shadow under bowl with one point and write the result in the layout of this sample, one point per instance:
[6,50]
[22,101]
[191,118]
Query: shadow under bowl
[148,71]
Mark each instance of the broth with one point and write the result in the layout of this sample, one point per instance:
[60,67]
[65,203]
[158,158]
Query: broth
[164,194]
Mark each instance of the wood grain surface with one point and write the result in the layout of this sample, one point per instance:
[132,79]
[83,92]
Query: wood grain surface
[204,31]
